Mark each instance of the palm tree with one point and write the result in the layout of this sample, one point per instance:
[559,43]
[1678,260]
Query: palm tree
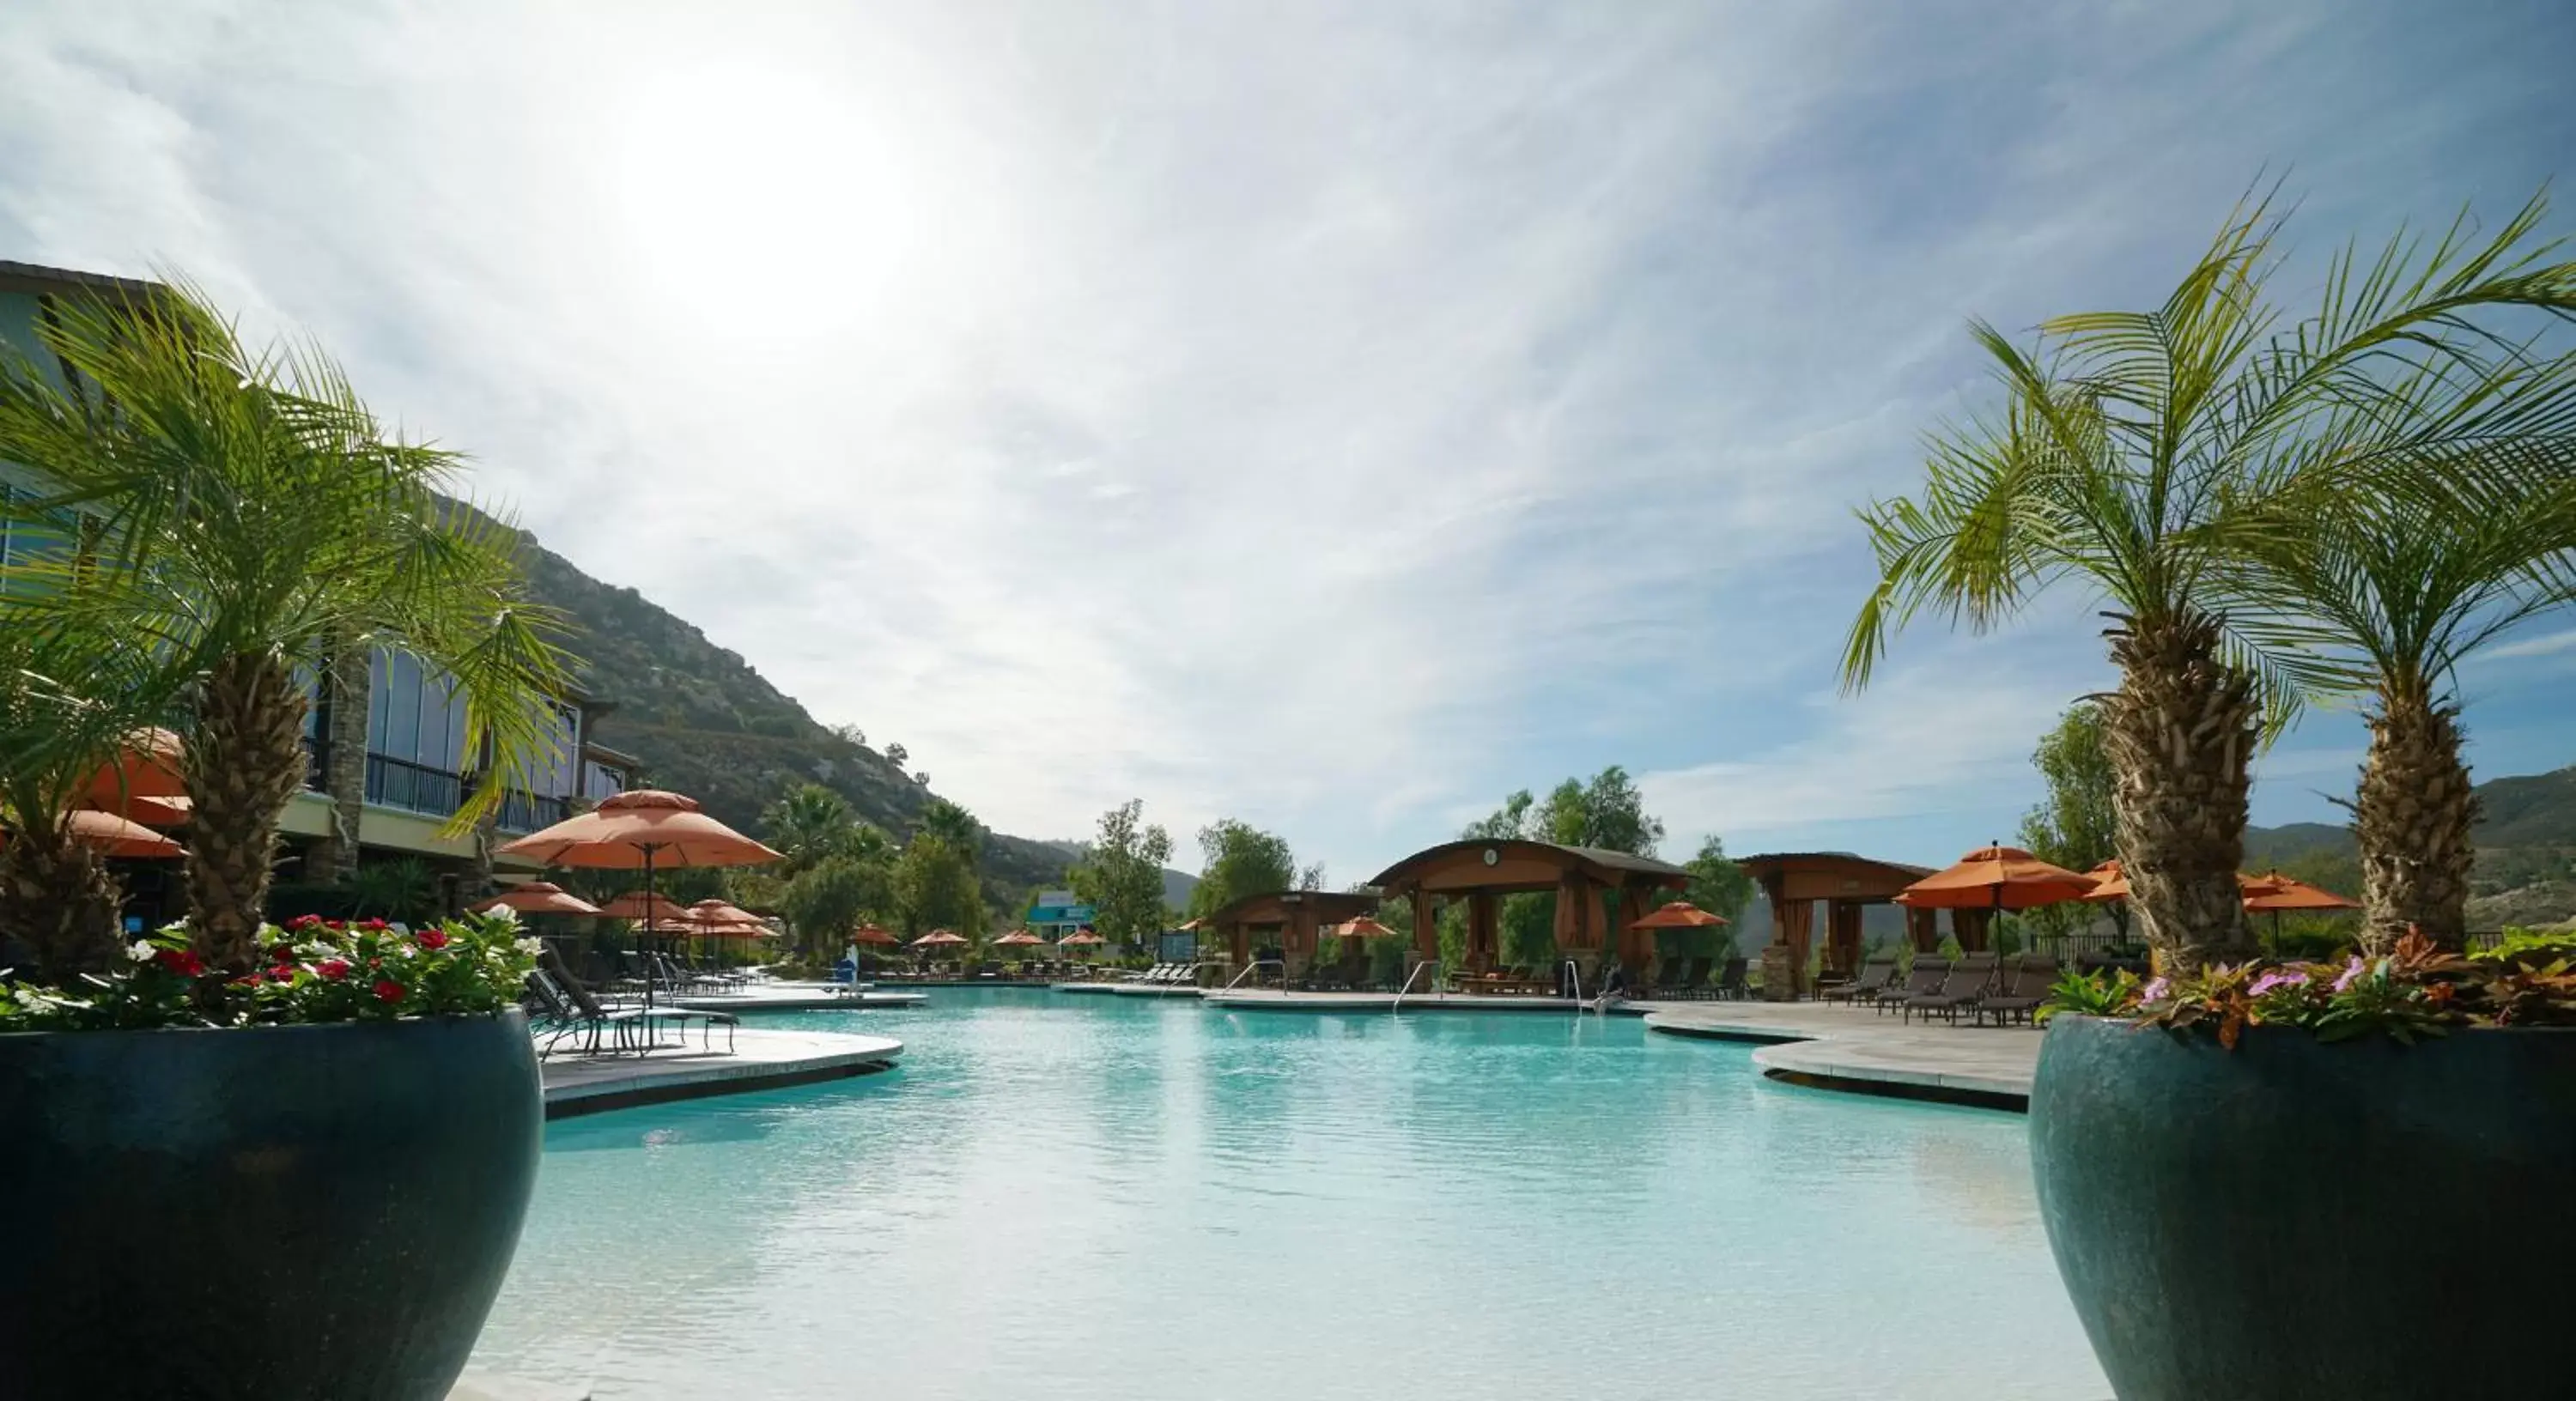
[954,825]
[2148,455]
[809,825]
[2410,582]
[69,700]
[248,516]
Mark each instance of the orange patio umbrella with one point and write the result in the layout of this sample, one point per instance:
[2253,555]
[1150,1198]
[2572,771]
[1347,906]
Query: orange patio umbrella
[648,909]
[1996,878]
[1085,937]
[114,836]
[938,938]
[635,831]
[538,897]
[870,934]
[1019,938]
[2113,883]
[1364,928]
[2276,892]
[148,766]
[1677,914]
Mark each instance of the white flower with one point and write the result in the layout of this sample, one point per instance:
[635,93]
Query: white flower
[531,946]
[141,952]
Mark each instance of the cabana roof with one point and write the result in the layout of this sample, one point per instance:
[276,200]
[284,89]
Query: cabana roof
[1479,863]
[1829,875]
[1278,906]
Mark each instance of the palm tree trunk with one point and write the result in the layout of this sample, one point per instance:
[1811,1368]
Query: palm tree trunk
[57,897]
[245,761]
[2180,732]
[2413,817]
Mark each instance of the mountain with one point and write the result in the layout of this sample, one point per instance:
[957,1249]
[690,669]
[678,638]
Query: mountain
[706,723]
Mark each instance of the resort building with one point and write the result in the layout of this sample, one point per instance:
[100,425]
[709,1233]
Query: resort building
[386,737]
[1056,914]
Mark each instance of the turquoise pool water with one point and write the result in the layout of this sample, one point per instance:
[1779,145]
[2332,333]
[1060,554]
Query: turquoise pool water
[1080,1197]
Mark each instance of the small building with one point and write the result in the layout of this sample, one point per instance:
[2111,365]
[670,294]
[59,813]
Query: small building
[1057,914]
[1597,894]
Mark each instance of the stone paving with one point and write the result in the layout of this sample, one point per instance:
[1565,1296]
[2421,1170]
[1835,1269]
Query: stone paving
[761,1058]
[1829,1042]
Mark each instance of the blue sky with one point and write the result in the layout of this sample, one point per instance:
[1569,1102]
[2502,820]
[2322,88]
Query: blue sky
[1332,415]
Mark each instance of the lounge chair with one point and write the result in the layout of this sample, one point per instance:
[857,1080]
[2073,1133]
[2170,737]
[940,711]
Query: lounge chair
[1730,981]
[1925,980]
[2021,994]
[1669,977]
[1693,981]
[1874,977]
[571,1010]
[1969,980]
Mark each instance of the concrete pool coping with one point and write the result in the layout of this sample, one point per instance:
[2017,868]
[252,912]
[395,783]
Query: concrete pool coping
[795,997]
[762,1059]
[1852,1048]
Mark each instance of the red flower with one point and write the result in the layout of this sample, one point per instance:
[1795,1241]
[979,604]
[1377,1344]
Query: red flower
[183,962]
[431,939]
[303,922]
[373,926]
[387,990]
[333,968]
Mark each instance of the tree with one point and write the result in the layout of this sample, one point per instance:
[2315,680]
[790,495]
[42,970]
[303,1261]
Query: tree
[2409,583]
[70,699]
[954,825]
[1239,859]
[826,901]
[2077,826]
[248,517]
[2148,455]
[896,755]
[935,888]
[1608,813]
[1122,876]
[808,825]
[850,735]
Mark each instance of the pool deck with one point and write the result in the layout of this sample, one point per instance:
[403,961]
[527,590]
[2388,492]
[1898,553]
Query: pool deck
[1849,1048]
[762,1059]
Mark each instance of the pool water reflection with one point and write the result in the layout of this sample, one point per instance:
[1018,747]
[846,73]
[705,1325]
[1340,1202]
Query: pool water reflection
[1134,1198]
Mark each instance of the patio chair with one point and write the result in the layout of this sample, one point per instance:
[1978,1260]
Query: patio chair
[2022,994]
[1668,978]
[1969,980]
[1925,980]
[1875,975]
[1693,982]
[1730,981]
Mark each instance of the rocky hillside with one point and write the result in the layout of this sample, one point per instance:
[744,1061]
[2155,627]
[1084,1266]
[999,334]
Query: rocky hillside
[706,723]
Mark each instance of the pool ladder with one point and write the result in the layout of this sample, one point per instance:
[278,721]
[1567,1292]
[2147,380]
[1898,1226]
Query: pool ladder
[1408,982]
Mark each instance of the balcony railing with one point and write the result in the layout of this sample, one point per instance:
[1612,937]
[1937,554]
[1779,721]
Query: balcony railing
[527,812]
[398,783]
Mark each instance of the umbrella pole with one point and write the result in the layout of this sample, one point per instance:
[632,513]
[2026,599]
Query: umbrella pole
[648,927]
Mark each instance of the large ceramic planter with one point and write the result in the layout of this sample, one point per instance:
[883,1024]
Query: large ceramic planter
[2299,1221]
[280,1213]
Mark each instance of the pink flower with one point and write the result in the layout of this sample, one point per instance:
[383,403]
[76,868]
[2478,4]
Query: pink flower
[2156,989]
[387,990]
[2278,978]
[333,968]
[432,938]
[2351,974]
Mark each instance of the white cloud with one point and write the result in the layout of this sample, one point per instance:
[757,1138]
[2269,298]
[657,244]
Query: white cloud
[2547,644]
[1335,415]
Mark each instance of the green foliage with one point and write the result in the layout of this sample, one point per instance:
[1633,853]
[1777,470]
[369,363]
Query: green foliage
[1122,877]
[810,824]
[310,972]
[2160,455]
[2532,946]
[2075,826]
[1608,813]
[935,888]
[1239,859]
[400,888]
[1722,888]
[954,825]
[826,901]
[2091,995]
[2414,991]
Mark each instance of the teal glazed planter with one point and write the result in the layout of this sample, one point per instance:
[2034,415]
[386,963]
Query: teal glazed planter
[279,1212]
[2298,1221]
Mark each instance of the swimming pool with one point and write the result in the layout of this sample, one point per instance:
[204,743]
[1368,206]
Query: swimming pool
[1072,1197]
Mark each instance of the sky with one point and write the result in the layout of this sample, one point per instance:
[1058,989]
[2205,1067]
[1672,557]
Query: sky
[1330,415]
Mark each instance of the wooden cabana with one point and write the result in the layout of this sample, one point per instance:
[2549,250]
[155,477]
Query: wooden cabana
[1585,881]
[1289,917]
[1794,881]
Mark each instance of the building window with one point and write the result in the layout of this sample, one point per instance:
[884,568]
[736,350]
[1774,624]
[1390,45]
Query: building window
[415,737]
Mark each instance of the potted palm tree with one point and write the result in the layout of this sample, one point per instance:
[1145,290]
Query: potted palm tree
[2277,511]
[310,1148]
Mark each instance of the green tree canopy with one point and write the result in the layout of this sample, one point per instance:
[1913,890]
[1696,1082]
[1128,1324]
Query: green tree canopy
[935,888]
[1239,859]
[828,899]
[2077,825]
[954,825]
[1122,877]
